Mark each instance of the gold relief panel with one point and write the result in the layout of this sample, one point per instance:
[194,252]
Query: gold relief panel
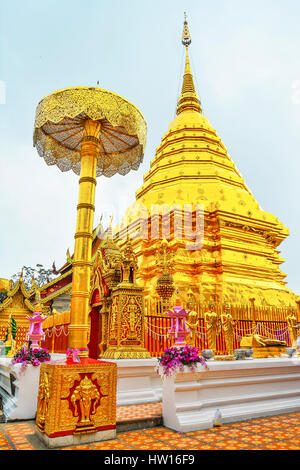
[114,321]
[76,398]
[131,320]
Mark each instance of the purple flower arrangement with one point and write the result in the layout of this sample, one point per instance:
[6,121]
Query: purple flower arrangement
[174,359]
[33,356]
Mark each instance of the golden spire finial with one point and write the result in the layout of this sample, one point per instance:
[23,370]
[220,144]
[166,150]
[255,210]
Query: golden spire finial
[186,37]
[188,100]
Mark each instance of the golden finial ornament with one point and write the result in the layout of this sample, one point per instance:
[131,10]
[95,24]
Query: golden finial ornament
[188,100]
[186,37]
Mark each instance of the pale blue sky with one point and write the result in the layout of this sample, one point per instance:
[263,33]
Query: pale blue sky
[246,63]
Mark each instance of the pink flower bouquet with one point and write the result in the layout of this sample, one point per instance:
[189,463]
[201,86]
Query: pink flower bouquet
[174,360]
[34,356]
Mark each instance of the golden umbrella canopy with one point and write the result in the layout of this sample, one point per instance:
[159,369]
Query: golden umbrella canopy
[60,125]
[93,132]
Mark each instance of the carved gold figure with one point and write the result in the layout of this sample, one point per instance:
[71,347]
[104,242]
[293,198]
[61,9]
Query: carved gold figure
[293,327]
[114,319]
[228,328]
[43,400]
[192,323]
[132,310]
[211,320]
[87,397]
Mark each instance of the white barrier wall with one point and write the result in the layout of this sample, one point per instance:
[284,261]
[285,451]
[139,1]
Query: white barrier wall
[137,382]
[19,390]
[241,390]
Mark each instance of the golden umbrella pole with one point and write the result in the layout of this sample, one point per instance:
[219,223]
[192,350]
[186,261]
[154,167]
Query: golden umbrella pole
[93,132]
[78,330]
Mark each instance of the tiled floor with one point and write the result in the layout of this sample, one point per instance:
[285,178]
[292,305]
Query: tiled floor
[138,412]
[275,433]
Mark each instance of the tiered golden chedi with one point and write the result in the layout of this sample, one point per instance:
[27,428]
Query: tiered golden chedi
[239,257]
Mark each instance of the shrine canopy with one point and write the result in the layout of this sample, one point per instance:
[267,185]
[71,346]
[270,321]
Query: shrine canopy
[60,123]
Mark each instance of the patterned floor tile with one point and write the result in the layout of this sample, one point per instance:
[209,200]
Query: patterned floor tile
[111,445]
[256,448]
[77,448]
[278,424]
[24,447]
[124,435]
[203,447]
[281,445]
[3,442]
[254,428]
[233,444]
[234,433]
[278,434]
[293,429]
[275,433]
[163,435]
[155,446]
[183,442]
[294,441]
[18,440]
[198,433]
[138,440]
[292,421]
[210,437]
[257,439]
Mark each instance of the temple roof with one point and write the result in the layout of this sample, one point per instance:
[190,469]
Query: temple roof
[19,286]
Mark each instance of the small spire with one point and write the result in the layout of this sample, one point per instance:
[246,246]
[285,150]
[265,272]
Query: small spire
[188,100]
[186,37]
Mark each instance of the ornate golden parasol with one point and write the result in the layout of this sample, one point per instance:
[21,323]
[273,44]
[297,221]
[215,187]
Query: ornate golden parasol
[93,132]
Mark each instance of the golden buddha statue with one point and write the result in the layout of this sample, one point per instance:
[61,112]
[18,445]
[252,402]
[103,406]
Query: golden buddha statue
[192,323]
[211,320]
[228,328]
[263,346]
[293,328]
[259,341]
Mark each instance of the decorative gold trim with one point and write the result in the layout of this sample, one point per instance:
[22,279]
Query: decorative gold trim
[85,205]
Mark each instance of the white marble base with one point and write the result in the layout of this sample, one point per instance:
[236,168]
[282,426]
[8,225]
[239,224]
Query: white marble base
[75,440]
[137,381]
[19,390]
[241,390]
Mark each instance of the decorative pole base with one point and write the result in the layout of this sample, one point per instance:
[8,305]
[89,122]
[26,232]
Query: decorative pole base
[76,402]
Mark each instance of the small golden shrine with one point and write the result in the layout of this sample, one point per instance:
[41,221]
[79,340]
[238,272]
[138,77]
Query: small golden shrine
[18,306]
[114,288]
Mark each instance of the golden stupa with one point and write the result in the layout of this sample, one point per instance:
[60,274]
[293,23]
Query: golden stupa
[230,253]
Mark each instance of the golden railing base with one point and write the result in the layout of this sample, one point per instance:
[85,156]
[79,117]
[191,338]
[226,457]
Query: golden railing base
[126,354]
[262,353]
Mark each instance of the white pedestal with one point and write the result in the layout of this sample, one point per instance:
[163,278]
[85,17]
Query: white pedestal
[19,390]
[137,381]
[241,390]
